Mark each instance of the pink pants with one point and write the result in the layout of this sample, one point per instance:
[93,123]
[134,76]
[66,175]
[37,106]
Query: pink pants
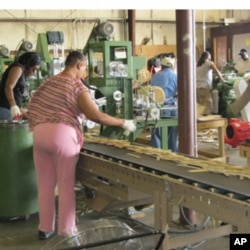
[56,151]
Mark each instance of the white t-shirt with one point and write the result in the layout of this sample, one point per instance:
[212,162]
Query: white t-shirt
[242,66]
[204,75]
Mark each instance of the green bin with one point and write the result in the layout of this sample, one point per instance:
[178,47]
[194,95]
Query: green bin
[18,190]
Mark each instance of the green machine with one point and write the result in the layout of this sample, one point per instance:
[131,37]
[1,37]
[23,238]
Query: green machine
[18,189]
[50,65]
[5,59]
[226,95]
[112,69]
[52,62]
[226,89]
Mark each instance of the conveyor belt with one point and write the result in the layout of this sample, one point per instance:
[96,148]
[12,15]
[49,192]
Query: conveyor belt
[206,180]
[122,175]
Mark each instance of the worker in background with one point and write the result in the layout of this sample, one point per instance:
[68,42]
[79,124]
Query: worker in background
[204,80]
[13,84]
[242,66]
[167,80]
[55,113]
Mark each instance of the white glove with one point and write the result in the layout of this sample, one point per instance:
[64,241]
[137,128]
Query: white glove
[15,112]
[247,78]
[128,126]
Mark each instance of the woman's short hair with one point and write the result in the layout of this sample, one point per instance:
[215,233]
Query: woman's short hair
[29,59]
[73,57]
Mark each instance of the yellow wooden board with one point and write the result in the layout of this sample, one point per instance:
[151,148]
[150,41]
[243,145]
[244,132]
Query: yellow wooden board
[159,93]
[208,117]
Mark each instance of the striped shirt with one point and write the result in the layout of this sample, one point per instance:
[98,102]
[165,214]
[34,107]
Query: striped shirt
[55,101]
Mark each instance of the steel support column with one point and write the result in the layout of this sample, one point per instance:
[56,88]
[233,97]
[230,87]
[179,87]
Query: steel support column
[131,29]
[185,30]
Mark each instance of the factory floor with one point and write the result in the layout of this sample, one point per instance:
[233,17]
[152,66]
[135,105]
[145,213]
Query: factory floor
[21,233]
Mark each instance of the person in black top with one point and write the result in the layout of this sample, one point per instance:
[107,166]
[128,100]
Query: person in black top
[13,84]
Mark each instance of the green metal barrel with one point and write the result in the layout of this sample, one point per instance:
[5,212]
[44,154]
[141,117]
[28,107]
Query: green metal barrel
[18,190]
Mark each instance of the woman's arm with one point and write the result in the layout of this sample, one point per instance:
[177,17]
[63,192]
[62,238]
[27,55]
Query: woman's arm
[87,106]
[216,71]
[14,74]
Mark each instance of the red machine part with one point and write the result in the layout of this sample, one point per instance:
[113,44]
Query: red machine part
[237,131]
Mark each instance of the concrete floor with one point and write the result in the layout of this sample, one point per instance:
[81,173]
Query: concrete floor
[21,234]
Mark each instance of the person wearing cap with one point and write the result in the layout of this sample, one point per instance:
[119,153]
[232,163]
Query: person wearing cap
[204,80]
[167,80]
[242,66]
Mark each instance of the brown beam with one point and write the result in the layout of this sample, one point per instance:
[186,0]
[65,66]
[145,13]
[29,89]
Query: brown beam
[131,29]
[185,34]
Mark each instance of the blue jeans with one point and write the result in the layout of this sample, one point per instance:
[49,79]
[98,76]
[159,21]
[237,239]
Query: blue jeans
[172,133]
[5,114]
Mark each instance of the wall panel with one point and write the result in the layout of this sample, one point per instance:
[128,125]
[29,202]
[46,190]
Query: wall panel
[157,24]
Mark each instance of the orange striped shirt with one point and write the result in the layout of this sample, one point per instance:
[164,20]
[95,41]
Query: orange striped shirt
[55,101]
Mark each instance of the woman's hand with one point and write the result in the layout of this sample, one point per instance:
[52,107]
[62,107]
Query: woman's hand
[15,112]
[24,113]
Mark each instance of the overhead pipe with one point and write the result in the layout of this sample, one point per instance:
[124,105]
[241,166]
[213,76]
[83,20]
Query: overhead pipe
[46,20]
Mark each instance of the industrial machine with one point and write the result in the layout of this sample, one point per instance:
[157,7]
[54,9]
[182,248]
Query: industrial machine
[5,58]
[112,69]
[238,130]
[226,96]
[120,174]
[51,62]
[23,46]
[234,104]
[18,195]
[226,92]
[124,175]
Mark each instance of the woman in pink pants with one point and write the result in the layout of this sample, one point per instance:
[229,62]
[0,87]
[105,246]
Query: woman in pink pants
[55,113]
